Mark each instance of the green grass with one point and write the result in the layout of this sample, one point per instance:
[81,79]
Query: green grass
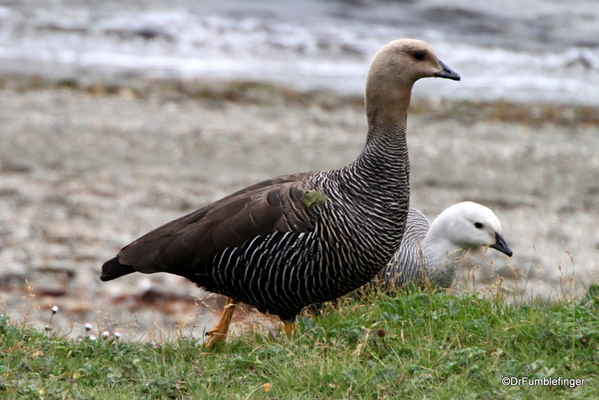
[418,345]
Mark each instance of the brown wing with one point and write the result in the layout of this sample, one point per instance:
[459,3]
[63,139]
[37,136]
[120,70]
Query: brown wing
[270,206]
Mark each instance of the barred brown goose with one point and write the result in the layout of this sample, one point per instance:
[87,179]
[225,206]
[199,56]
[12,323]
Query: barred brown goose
[294,240]
[433,251]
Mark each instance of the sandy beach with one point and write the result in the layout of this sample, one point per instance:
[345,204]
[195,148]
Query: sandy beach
[84,171]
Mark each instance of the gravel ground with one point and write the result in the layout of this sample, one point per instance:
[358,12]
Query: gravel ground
[84,172]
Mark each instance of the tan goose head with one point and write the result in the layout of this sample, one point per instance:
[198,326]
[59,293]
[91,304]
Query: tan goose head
[393,71]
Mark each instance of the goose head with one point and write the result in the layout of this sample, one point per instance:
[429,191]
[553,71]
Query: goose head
[393,71]
[468,225]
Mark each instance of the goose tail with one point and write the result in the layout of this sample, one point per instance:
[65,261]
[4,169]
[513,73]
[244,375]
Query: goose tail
[113,269]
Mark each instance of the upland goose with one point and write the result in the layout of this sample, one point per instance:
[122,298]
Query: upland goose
[434,251]
[294,240]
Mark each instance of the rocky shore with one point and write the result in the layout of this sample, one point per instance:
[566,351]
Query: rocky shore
[83,171]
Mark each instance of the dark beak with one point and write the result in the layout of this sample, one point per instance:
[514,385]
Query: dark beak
[447,72]
[501,245]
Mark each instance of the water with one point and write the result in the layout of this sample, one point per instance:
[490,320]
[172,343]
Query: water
[522,50]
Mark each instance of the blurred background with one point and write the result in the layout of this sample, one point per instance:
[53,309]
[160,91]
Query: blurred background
[536,50]
[116,117]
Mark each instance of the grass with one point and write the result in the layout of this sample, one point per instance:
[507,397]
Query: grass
[427,344]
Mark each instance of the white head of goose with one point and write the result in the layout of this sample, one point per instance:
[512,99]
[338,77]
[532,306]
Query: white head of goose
[434,251]
[294,240]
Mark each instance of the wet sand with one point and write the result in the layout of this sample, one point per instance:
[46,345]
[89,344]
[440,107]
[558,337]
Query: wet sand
[84,172]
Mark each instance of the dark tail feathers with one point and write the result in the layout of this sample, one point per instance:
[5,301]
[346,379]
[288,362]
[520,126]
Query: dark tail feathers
[113,269]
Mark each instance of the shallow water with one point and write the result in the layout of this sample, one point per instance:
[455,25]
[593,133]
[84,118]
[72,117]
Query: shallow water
[544,50]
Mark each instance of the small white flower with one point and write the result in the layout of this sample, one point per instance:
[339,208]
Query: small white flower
[54,309]
[93,338]
[105,335]
[88,327]
[117,335]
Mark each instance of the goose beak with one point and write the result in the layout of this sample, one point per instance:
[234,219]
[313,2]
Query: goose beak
[447,72]
[501,245]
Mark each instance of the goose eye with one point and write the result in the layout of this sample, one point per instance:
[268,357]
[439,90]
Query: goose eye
[419,55]
[478,225]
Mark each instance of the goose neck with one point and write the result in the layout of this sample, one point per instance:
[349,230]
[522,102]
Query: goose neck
[385,155]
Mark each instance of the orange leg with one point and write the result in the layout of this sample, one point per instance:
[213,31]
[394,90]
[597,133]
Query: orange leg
[219,333]
[289,328]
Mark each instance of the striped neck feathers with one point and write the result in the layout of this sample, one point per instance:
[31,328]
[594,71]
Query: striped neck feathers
[385,153]
[381,171]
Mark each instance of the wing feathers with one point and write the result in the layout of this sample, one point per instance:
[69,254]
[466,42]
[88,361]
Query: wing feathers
[267,207]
